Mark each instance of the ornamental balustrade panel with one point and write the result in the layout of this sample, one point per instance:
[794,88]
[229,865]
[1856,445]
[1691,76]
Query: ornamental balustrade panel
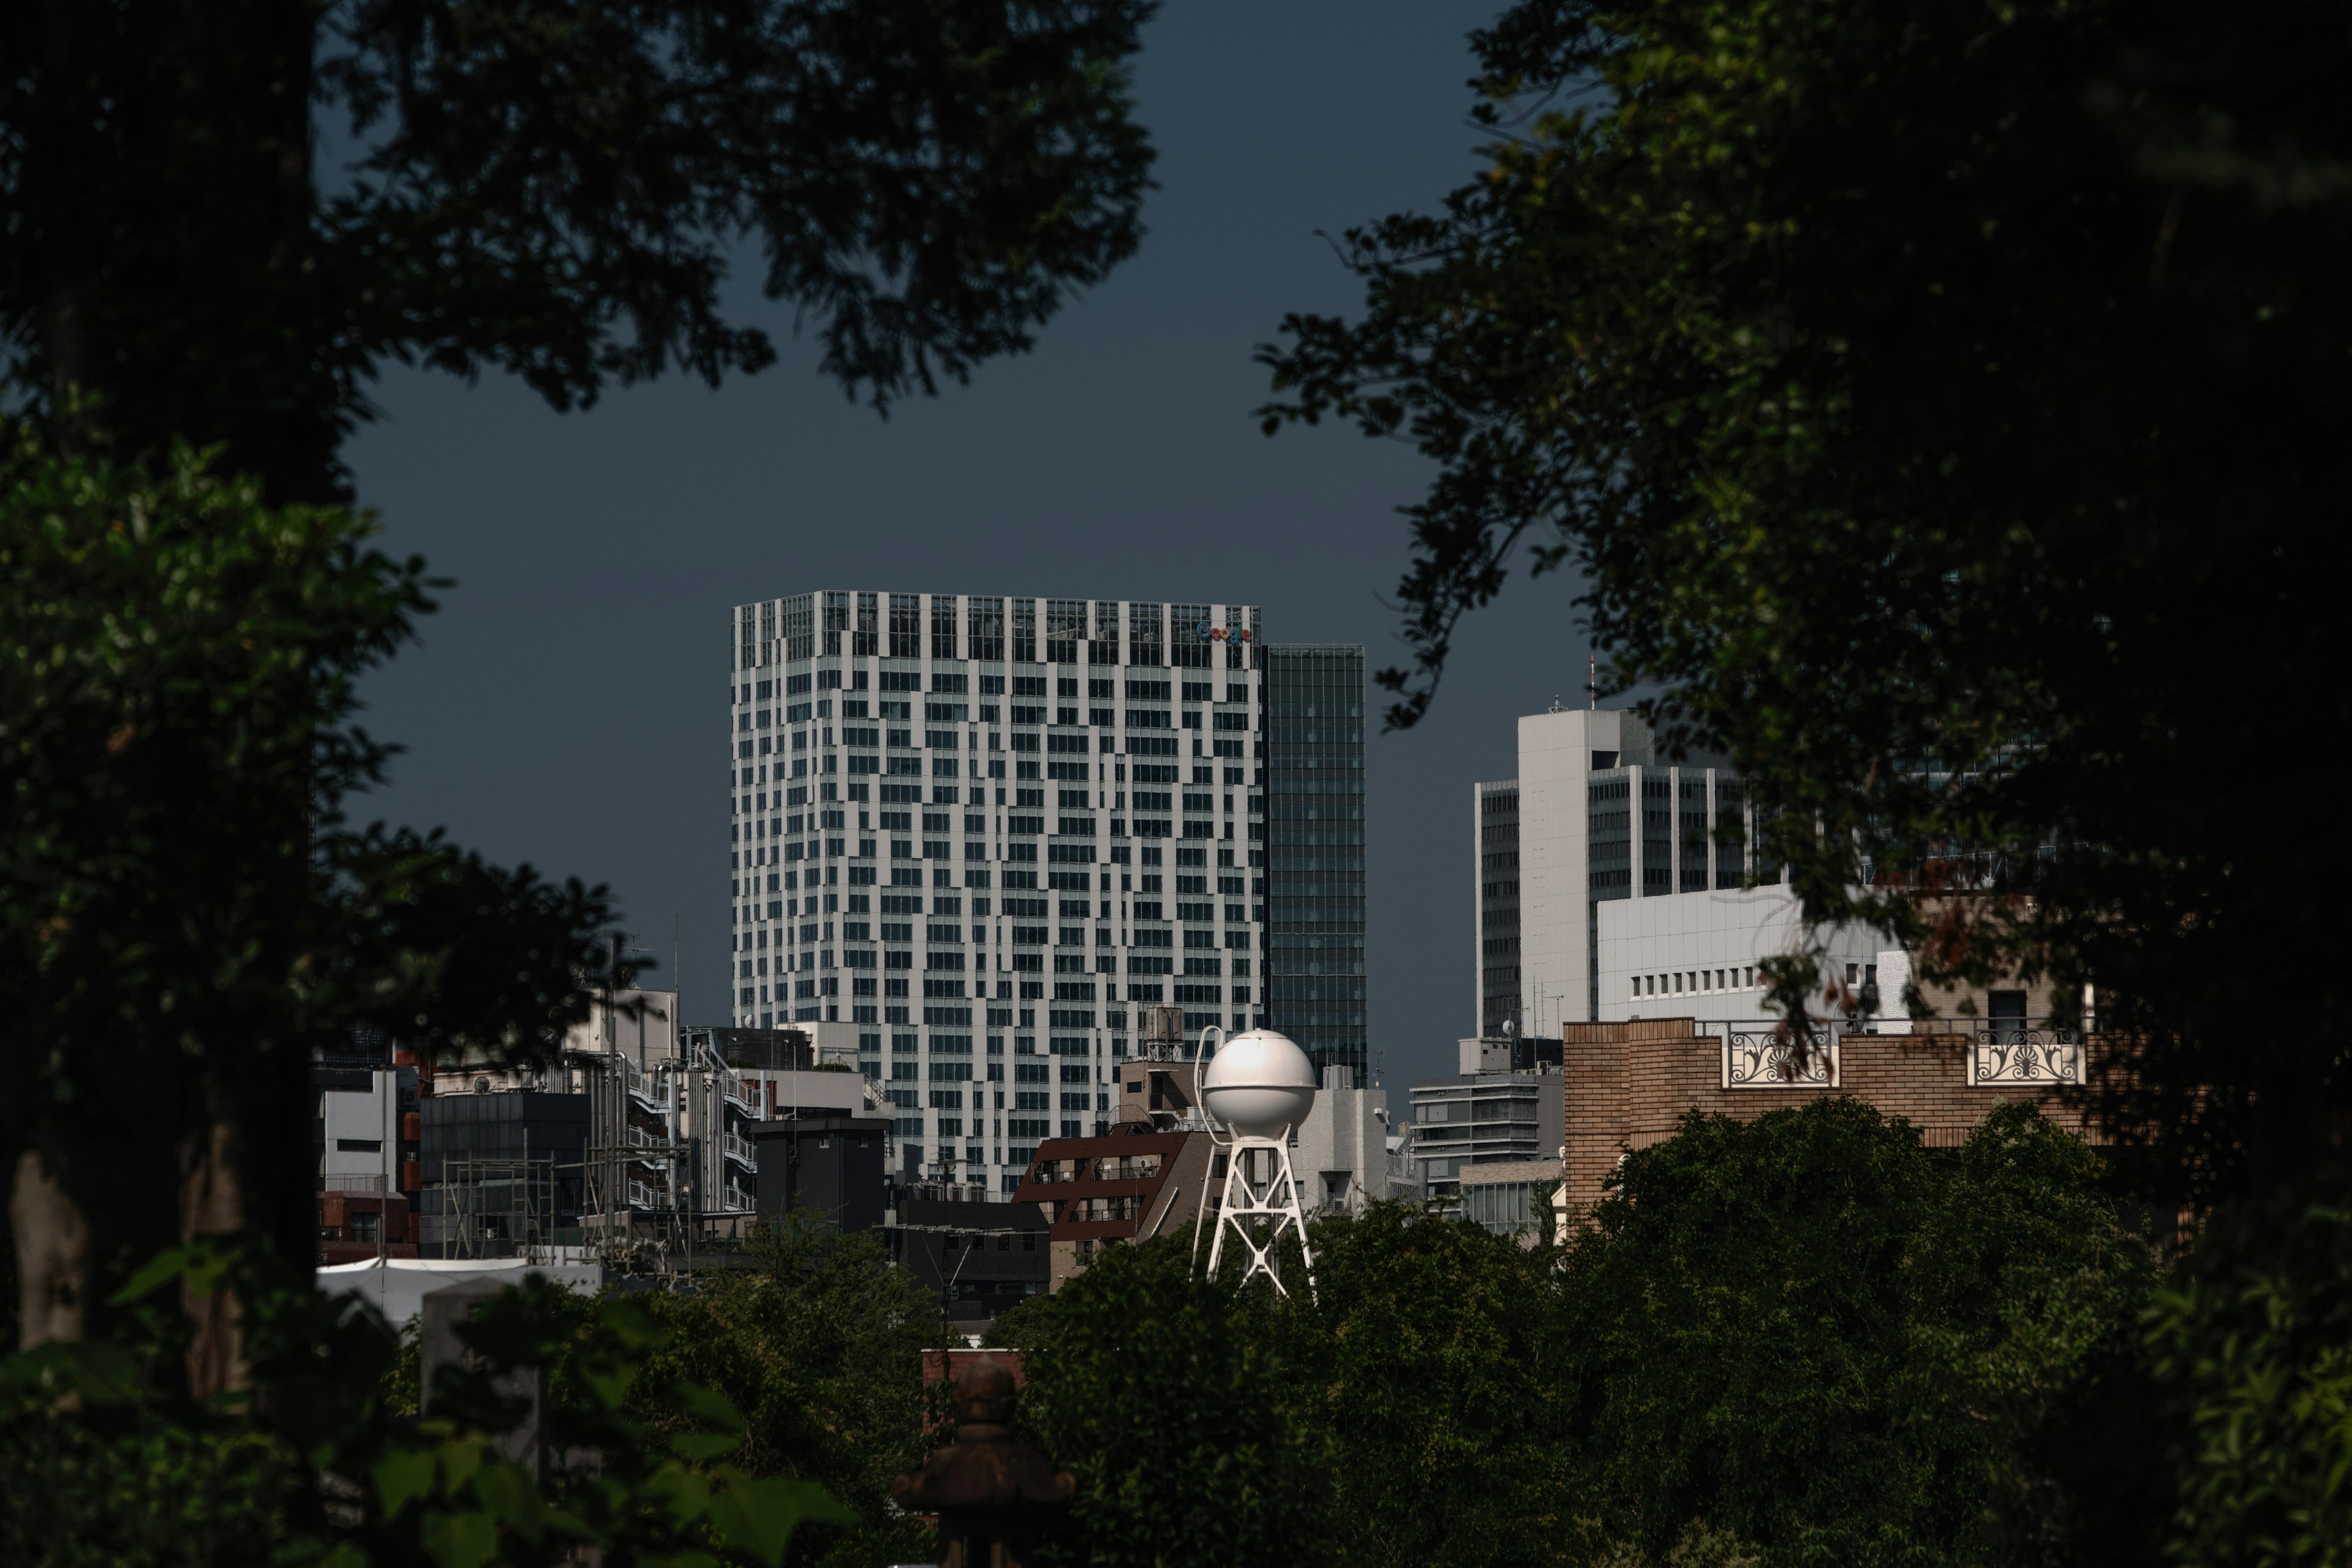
[1764,1055]
[2002,1052]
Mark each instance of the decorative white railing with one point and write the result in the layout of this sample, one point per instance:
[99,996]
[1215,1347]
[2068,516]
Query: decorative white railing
[2021,1053]
[1766,1056]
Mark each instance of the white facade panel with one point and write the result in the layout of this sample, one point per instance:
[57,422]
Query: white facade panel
[1695,954]
[362,1128]
[1340,1151]
[1557,759]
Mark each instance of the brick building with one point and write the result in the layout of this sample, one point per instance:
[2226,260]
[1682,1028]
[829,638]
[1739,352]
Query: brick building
[1630,1084]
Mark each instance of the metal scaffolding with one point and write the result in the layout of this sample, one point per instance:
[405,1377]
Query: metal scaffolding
[499,1201]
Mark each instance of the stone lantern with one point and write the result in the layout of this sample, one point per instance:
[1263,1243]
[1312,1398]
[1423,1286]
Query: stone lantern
[993,1497]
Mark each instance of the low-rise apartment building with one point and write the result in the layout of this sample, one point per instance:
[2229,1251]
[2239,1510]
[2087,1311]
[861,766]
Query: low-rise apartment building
[1483,1118]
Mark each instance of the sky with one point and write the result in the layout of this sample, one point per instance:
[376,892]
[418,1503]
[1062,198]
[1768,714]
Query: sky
[566,705]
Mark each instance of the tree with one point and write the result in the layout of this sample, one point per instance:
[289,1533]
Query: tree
[551,190]
[1423,1362]
[2253,1345]
[188,911]
[1163,1393]
[193,306]
[818,1342]
[1809,1332]
[1931,398]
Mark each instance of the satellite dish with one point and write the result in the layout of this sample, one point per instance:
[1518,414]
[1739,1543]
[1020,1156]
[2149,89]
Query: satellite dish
[1260,1084]
[1510,1027]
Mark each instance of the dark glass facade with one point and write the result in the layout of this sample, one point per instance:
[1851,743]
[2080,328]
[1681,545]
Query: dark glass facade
[1314,707]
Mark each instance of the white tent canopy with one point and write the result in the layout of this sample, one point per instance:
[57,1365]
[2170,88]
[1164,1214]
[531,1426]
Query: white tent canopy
[396,1285]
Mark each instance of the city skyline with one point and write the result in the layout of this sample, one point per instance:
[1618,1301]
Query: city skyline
[551,714]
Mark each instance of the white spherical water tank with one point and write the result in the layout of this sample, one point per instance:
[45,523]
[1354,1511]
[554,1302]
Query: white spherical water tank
[1259,1084]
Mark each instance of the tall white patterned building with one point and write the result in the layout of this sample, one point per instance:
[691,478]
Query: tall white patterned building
[984,831]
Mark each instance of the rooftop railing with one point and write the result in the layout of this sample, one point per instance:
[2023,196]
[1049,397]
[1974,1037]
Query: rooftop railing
[1766,1054]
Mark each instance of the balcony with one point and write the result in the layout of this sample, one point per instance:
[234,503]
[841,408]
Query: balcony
[737,1201]
[648,1091]
[740,1092]
[644,1196]
[649,1146]
[739,1148]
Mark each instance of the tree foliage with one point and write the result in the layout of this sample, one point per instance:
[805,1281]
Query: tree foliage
[1811,1334]
[556,191]
[815,1337]
[2253,1340]
[1425,1363]
[818,1342]
[1931,398]
[1163,1393]
[188,910]
[325,1469]
[1804,1339]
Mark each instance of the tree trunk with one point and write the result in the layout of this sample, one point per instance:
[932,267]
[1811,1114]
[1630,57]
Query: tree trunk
[52,1238]
[212,1203]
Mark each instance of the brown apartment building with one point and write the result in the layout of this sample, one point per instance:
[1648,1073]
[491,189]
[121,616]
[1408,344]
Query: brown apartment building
[1128,1186]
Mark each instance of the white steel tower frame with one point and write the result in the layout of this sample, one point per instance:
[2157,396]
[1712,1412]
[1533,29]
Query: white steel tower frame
[1248,1199]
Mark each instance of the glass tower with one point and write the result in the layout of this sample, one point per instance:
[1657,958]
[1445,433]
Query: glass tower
[1314,708]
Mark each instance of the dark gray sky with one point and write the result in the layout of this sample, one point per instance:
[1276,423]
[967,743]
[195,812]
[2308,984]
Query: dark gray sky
[567,707]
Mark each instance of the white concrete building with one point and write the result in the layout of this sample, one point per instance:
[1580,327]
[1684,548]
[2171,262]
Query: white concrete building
[1591,818]
[1694,955]
[1610,887]
[360,1112]
[1043,813]
[1340,1151]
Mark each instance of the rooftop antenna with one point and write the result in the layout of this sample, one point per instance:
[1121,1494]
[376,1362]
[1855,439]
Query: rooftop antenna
[1260,1086]
[1593,679]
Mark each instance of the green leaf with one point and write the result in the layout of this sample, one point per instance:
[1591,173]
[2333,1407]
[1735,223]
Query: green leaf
[509,1493]
[459,1459]
[687,1492]
[760,1516]
[704,1446]
[402,1476]
[309,1548]
[459,1539]
[709,1405]
[153,1275]
[563,1521]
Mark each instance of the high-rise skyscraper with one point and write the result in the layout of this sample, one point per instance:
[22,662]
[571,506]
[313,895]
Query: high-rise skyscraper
[1314,828]
[951,790]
